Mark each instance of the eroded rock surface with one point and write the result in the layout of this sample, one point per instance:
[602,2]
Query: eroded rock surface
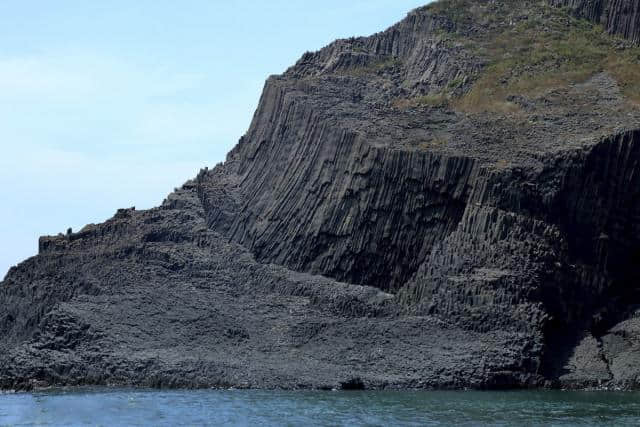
[418,208]
[621,17]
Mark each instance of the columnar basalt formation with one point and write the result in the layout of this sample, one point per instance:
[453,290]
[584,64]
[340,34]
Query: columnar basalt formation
[453,202]
[620,17]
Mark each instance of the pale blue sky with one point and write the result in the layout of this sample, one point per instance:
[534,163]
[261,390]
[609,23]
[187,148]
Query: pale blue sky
[112,104]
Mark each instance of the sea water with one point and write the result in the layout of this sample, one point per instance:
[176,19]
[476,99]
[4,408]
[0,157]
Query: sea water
[111,407]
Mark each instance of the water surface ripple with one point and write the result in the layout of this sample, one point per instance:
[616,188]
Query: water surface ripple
[106,407]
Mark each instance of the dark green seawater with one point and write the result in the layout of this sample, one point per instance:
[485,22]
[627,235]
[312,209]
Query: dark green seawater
[238,407]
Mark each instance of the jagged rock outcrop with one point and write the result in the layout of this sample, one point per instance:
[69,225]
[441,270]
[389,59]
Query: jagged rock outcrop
[620,17]
[435,205]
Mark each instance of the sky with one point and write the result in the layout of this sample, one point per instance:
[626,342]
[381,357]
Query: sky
[105,105]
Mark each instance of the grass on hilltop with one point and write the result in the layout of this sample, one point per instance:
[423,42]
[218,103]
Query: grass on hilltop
[536,55]
[528,56]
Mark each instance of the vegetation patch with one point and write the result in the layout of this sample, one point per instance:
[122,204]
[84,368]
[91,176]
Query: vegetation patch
[376,67]
[440,99]
[528,54]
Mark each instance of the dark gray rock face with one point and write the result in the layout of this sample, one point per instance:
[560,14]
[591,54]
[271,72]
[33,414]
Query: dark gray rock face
[621,17]
[156,298]
[361,235]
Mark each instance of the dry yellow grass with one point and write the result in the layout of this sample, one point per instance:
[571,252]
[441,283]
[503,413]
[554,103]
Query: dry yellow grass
[547,52]
[549,49]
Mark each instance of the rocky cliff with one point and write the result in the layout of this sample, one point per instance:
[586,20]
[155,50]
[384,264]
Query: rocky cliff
[453,202]
[621,17]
